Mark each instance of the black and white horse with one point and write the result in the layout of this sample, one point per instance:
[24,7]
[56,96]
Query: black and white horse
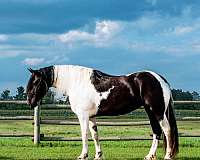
[93,93]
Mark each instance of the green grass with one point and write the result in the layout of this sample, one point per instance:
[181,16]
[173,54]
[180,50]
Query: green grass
[25,127]
[23,148]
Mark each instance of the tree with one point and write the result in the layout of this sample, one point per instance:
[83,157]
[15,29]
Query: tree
[49,97]
[195,95]
[5,95]
[21,95]
[179,94]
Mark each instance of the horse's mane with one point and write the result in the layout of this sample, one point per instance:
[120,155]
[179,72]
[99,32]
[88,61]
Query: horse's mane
[66,75]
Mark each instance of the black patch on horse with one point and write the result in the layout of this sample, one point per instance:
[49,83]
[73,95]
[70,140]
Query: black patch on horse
[94,128]
[48,75]
[121,98]
[101,81]
[151,93]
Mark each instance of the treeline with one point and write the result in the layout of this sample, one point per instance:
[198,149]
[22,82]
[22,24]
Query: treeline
[178,94]
[49,98]
[20,94]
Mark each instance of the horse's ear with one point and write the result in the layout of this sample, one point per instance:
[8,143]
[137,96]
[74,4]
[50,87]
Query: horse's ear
[35,72]
[31,70]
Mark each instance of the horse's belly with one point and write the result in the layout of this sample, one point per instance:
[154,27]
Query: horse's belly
[118,103]
[115,110]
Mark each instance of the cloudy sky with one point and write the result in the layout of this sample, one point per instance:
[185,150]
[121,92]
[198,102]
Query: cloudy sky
[116,36]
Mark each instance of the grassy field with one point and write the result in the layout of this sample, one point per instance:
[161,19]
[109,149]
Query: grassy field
[23,148]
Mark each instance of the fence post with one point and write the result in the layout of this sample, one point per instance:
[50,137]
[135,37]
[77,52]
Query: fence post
[36,125]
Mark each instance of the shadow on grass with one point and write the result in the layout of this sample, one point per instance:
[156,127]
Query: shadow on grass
[188,158]
[181,158]
[58,159]
[128,158]
[6,158]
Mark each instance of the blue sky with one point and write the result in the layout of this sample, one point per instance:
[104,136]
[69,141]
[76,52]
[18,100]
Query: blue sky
[117,37]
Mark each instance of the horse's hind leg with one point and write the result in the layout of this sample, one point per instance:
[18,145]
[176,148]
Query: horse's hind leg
[158,125]
[94,133]
[164,123]
[156,134]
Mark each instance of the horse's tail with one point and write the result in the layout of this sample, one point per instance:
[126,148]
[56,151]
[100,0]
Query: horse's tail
[174,143]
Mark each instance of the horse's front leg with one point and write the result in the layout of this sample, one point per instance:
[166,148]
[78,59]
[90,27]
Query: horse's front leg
[94,133]
[84,123]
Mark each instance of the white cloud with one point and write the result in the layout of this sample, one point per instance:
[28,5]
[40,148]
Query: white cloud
[181,30]
[33,61]
[3,37]
[75,35]
[150,33]
[103,32]
[9,53]
[30,45]
[58,59]
[145,47]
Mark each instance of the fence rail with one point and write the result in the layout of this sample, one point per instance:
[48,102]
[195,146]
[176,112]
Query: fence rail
[17,118]
[13,102]
[37,137]
[61,122]
[186,102]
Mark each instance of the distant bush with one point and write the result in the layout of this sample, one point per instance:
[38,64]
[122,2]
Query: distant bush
[14,106]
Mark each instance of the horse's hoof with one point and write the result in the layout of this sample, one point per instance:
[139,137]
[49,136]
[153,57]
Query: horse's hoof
[83,157]
[168,156]
[152,157]
[98,156]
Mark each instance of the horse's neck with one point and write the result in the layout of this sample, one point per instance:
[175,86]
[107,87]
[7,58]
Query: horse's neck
[69,77]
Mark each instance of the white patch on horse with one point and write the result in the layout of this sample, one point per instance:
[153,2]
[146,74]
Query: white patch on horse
[166,129]
[165,88]
[152,152]
[127,85]
[75,82]
[103,96]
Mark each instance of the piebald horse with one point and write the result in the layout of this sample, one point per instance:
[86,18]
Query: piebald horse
[93,93]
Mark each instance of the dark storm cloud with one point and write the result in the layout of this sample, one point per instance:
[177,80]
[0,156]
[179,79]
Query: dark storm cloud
[48,16]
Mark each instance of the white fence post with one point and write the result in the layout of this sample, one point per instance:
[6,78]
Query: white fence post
[37,125]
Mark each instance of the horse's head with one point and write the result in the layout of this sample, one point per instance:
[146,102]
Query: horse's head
[37,87]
